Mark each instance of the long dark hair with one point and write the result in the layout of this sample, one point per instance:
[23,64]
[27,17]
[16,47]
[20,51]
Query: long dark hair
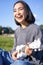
[30,18]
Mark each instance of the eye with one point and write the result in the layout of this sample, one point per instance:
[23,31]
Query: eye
[21,8]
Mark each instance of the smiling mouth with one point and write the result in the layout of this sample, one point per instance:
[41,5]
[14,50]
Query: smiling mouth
[19,17]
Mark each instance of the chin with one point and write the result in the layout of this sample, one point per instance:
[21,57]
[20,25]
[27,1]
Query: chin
[19,21]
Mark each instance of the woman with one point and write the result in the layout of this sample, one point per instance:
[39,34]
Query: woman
[25,34]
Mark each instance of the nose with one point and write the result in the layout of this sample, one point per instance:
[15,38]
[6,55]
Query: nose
[18,12]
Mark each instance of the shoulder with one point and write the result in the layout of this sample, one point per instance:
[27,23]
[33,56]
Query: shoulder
[34,27]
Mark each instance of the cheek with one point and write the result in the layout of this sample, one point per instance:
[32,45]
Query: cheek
[25,14]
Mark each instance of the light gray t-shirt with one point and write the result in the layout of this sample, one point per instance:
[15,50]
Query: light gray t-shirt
[28,34]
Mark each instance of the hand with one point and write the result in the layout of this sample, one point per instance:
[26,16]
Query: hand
[14,55]
[28,50]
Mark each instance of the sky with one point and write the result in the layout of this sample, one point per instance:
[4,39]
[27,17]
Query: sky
[6,12]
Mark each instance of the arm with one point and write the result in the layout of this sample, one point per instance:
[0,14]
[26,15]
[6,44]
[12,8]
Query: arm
[36,44]
[37,40]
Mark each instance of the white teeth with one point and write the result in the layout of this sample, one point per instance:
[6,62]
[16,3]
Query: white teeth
[18,16]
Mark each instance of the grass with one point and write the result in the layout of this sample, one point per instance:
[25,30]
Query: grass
[6,42]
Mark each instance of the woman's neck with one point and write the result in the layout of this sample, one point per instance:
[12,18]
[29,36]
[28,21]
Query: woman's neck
[24,25]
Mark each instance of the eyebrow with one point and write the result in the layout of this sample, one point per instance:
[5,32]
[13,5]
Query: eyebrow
[18,8]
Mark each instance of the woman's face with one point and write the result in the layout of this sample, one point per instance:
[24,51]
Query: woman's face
[19,13]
